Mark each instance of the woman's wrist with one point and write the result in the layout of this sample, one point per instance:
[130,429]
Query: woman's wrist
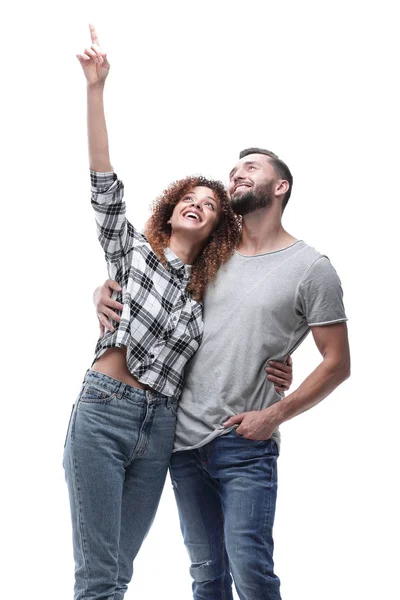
[95,88]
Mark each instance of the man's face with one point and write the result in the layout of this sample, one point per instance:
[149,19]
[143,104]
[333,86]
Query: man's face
[251,184]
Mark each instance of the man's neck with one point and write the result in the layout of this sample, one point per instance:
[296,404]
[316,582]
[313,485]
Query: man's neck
[263,232]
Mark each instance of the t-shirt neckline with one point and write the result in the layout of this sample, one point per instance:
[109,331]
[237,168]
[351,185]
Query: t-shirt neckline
[267,253]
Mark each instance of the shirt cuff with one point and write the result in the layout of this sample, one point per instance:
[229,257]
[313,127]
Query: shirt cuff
[101,182]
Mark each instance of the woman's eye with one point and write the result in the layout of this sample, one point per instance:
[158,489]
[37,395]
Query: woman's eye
[211,205]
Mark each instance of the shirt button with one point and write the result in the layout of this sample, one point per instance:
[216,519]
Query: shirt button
[151,355]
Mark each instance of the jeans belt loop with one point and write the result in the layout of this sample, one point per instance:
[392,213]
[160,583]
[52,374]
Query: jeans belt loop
[121,390]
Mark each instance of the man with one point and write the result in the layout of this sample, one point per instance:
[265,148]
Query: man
[264,302]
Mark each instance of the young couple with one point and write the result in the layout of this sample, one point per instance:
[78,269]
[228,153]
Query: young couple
[216,279]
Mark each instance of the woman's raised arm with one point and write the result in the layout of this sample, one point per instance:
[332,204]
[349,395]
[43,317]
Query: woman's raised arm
[96,67]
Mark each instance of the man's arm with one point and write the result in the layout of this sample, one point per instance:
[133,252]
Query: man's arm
[106,306]
[332,342]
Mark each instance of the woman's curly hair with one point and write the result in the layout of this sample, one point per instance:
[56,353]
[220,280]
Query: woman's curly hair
[219,247]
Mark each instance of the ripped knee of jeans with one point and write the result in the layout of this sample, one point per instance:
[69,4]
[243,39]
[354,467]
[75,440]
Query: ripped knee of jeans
[207,570]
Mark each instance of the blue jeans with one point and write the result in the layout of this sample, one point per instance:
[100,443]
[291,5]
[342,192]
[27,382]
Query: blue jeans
[226,496]
[118,447]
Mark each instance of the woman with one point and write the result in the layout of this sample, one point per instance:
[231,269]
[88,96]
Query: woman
[121,431]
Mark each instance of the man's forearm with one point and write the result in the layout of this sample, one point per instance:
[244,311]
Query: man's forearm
[99,158]
[318,385]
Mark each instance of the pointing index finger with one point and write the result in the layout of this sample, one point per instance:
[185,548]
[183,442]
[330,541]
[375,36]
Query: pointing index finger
[93,35]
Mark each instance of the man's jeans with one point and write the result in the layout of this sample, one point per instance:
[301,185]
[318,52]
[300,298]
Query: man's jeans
[226,496]
[118,447]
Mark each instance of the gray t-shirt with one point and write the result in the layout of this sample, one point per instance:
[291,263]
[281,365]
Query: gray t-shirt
[260,308]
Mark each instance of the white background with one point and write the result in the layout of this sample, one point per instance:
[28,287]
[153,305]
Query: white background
[191,84]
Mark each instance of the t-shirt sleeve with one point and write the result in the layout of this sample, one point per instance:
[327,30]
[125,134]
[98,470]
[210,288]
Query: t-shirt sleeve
[320,295]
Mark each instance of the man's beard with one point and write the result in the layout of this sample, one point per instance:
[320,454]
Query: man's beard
[248,202]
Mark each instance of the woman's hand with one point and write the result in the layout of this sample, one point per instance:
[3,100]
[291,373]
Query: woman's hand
[280,374]
[94,61]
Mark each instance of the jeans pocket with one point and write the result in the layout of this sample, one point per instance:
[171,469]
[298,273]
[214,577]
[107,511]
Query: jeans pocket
[69,425]
[96,394]
[270,445]
[174,408]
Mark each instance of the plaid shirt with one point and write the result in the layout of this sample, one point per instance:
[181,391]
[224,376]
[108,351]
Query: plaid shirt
[161,325]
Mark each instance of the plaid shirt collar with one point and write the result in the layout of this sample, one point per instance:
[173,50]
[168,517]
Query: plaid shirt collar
[176,266]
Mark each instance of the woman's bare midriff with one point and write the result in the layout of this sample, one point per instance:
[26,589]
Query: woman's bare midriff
[113,364]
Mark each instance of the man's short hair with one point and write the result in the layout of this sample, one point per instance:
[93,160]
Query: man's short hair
[280,167]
